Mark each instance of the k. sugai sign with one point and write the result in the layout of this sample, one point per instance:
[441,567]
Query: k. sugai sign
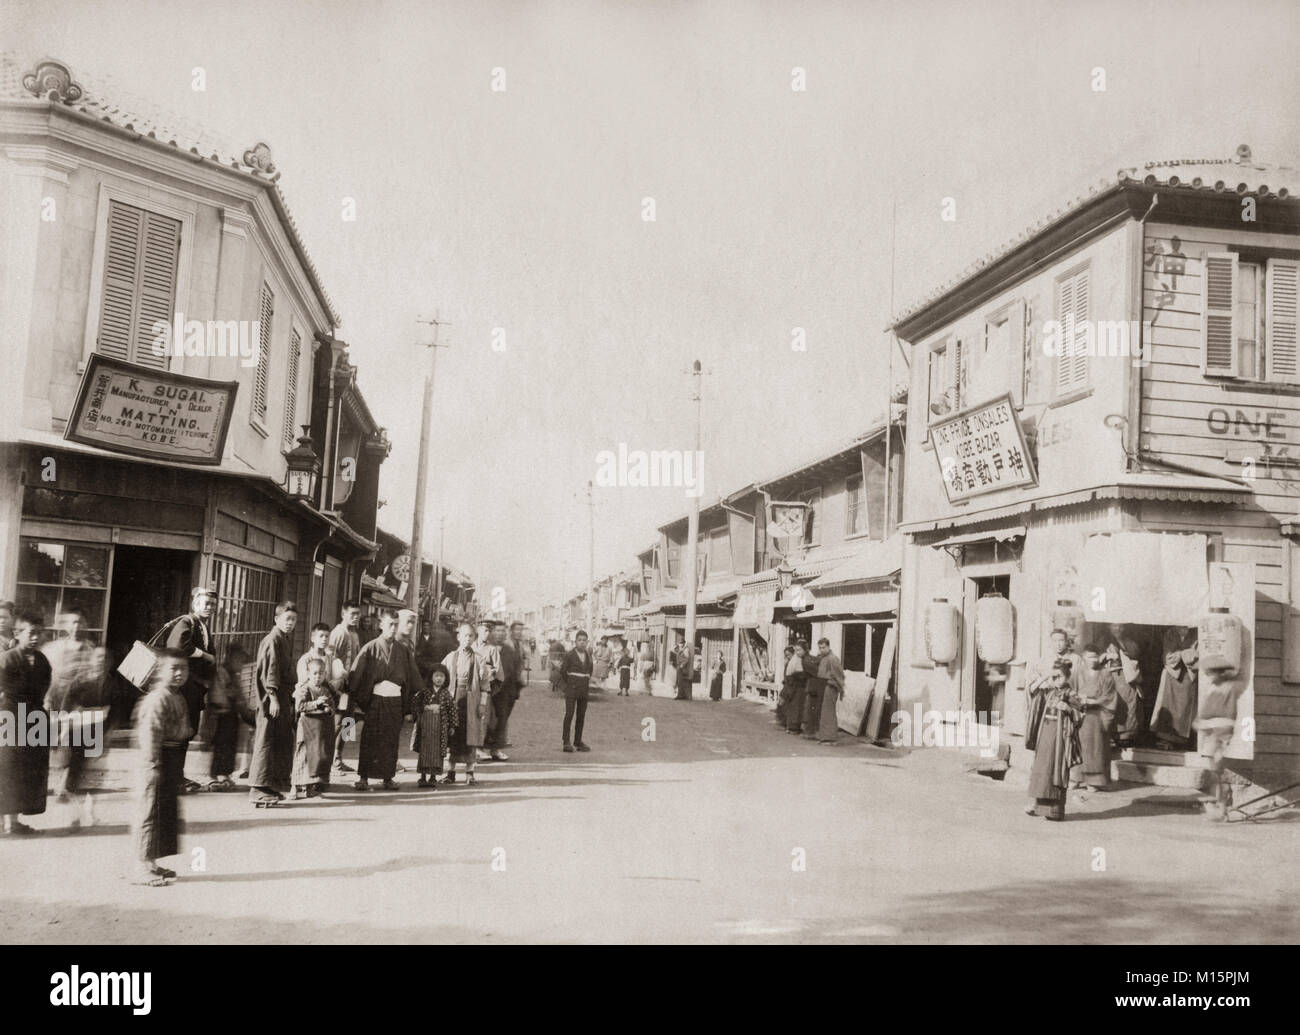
[132,409]
[982,450]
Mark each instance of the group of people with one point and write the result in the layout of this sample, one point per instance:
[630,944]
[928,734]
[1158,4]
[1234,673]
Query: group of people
[304,710]
[812,686]
[614,656]
[1083,705]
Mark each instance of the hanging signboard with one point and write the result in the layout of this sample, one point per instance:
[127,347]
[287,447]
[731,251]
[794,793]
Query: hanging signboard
[786,519]
[152,413]
[982,450]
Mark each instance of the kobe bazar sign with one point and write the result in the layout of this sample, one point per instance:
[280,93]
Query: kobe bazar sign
[151,413]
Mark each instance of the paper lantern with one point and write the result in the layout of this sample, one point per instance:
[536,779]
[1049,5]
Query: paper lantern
[994,629]
[942,631]
[1069,618]
[1218,637]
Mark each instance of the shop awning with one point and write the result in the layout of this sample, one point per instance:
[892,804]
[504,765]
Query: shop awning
[1144,578]
[754,608]
[876,560]
[854,601]
[994,535]
[701,621]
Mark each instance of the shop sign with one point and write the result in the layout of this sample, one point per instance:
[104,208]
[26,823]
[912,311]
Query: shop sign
[982,450]
[151,413]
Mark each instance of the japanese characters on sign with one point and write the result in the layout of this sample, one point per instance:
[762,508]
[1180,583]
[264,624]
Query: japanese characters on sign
[132,409]
[982,450]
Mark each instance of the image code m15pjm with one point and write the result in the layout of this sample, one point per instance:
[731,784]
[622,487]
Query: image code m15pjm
[708,472]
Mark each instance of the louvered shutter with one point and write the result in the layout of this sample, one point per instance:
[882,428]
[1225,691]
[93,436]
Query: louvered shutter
[956,376]
[291,393]
[1280,316]
[1065,346]
[157,294]
[1219,319]
[1016,347]
[1072,358]
[121,263]
[140,264]
[1079,362]
[262,376]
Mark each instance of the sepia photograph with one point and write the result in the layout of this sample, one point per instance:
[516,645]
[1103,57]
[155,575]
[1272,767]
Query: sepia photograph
[652,473]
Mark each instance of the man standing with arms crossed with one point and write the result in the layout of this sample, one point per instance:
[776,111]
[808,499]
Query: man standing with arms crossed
[345,642]
[576,671]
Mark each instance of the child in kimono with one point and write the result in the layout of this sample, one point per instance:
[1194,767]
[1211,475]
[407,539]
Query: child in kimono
[313,754]
[430,756]
[162,724]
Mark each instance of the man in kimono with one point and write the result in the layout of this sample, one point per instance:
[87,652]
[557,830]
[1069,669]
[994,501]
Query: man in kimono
[472,700]
[345,642]
[830,670]
[163,728]
[489,656]
[510,655]
[270,771]
[1093,686]
[577,668]
[191,635]
[24,766]
[383,679]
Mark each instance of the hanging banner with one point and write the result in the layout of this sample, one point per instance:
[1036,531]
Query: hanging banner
[982,450]
[1144,578]
[785,520]
[152,413]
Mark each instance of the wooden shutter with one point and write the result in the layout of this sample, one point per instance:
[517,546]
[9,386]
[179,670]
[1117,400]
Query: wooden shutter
[1064,347]
[956,375]
[262,376]
[1280,321]
[1219,317]
[1016,345]
[291,392]
[140,263]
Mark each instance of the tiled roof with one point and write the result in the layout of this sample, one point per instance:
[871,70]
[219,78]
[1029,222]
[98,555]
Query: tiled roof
[51,82]
[1238,175]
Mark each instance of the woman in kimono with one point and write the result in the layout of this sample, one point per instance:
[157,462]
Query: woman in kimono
[430,745]
[162,723]
[472,698]
[314,704]
[24,768]
[715,683]
[1057,748]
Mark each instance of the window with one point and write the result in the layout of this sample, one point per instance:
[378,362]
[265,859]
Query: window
[1072,312]
[855,647]
[291,390]
[246,599]
[947,378]
[1001,363]
[719,547]
[674,559]
[266,314]
[811,528]
[855,506]
[54,577]
[141,256]
[1248,327]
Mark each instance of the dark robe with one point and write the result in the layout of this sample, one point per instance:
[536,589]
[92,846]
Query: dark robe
[313,751]
[162,725]
[190,633]
[1097,687]
[577,672]
[381,661]
[272,762]
[1175,706]
[24,767]
[1057,751]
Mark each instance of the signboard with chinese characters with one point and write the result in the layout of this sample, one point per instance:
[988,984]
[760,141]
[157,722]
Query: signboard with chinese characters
[982,450]
[151,413]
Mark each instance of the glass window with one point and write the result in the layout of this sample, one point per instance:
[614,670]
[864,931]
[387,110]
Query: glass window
[1249,336]
[246,599]
[855,506]
[54,577]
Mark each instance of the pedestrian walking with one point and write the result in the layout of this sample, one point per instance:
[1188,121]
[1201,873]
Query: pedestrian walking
[434,713]
[345,642]
[511,657]
[163,730]
[190,634]
[1057,748]
[473,703]
[624,671]
[24,767]
[555,664]
[383,678]
[271,768]
[313,705]
[600,660]
[830,670]
[77,670]
[646,666]
[797,674]
[685,666]
[577,669]
[715,679]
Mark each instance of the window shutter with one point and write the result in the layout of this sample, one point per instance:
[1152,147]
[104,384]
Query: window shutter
[1079,363]
[291,393]
[121,260]
[1218,323]
[265,315]
[1064,347]
[1280,318]
[956,376]
[1072,358]
[1016,344]
[162,243]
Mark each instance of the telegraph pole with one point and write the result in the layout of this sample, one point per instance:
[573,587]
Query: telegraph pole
[691,571]
[591,562]
[437,573]
[422,473]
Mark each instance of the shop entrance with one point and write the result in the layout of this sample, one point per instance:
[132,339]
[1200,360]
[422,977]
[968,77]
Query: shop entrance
[150,587]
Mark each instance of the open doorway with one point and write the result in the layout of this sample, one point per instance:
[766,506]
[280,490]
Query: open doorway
[150,587]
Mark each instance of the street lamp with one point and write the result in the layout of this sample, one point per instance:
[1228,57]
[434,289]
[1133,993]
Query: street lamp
[302,468]
[785,577]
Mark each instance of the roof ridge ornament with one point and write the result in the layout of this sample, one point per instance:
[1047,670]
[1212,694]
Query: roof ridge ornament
[52,80]
[258,157]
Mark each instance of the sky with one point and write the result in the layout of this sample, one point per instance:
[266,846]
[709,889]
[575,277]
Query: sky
[519,212]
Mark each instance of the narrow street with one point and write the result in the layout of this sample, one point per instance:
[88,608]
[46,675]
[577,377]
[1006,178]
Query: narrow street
[694,836]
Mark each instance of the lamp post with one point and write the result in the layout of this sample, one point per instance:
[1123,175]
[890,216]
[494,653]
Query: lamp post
[302,468]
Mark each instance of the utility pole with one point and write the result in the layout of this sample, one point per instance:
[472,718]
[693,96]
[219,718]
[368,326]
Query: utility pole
[691,571]
[422,473]
[437,573]
[591,562]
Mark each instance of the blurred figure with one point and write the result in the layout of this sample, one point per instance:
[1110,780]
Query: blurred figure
[230,708]
[76,682]
[190,634]
[715,679]
[7,641]
[162,724]
[24,767]
[646,664]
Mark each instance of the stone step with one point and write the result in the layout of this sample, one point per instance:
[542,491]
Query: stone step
[1162,774]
